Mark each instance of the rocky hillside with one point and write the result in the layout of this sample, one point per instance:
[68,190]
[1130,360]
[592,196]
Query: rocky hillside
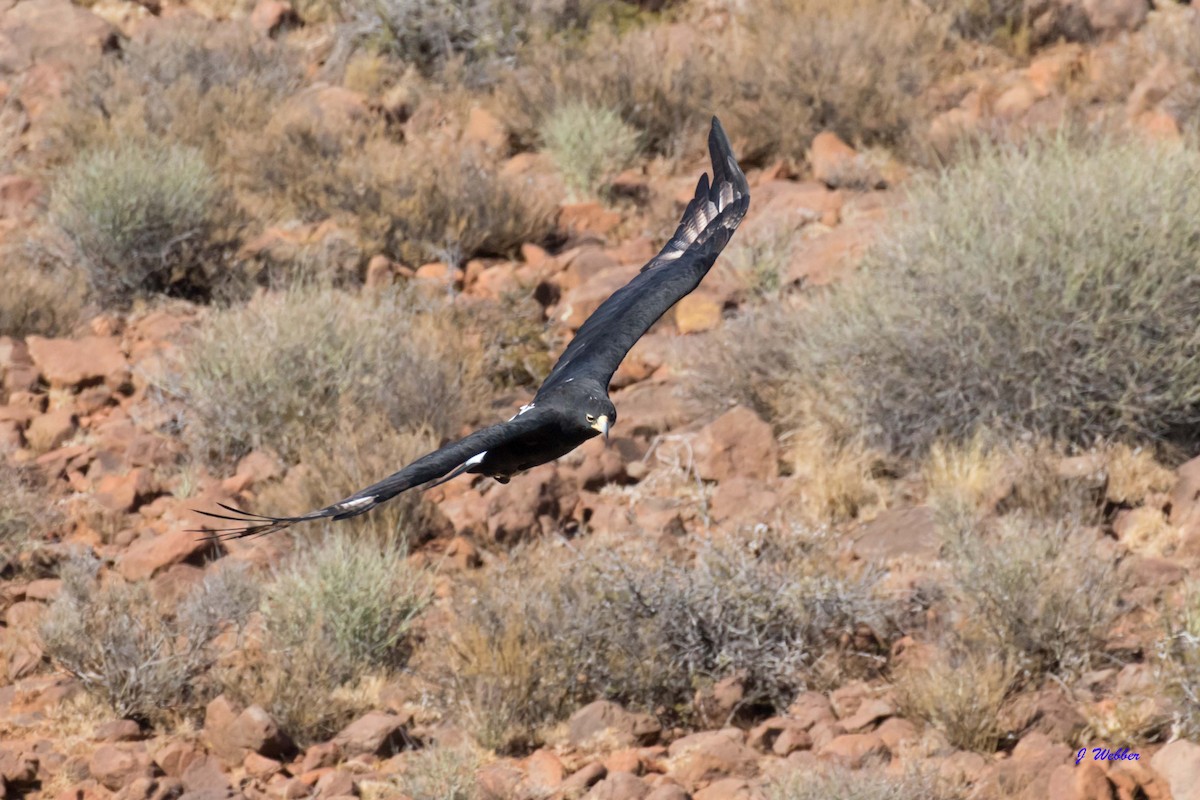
[904,501]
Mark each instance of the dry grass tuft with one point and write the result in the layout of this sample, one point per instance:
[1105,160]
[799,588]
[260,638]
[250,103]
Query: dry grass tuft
[1178,663]
[782,72]
[1041,594]
[47,301]
[148,662]
[960,692]
[866,784]
[590,146]
[347,604]
[428,200]
[840,478]
[282,371]
[26,516]
[546,635]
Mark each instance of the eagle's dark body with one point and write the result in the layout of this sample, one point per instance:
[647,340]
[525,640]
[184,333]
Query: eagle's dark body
[572,404]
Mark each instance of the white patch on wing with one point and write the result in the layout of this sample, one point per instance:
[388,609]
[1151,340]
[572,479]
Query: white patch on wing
[522,410]
[473,460]
[352,504]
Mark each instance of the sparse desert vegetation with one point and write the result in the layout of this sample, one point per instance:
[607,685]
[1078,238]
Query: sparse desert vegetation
[903,501]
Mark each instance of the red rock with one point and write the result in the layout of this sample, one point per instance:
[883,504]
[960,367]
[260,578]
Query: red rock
[269,16]
[375,732]
[603,724]
[176,756]
[120,493]
[485,130]
[896,732]
[809,708]
[711,755]
[260,767]
[50,31]
[697,313]
[544,770]
[578,219]
[668,791]
[205,775]
[17,765]
[1115,15]
[836,163]
[150,554]
[854,749]
[51,430]
[742,500]
[116,766]
[336,783]
[737,443]
[44,589]
[326,754]
[498,780]
[68,363]
[117,730]
[516,513]
[619,786]
[898,532]
[578,782]
[1179,765]
[730,789]
[869,712]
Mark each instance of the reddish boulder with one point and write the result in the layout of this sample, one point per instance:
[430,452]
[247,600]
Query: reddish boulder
[711,755]
[116,766]
[376,733]
[1179,764]
[152,553]
[603,724]
[736,444]
[71,363]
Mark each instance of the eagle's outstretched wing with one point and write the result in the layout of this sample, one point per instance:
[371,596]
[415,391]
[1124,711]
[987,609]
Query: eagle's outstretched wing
[709,221]
[446,462]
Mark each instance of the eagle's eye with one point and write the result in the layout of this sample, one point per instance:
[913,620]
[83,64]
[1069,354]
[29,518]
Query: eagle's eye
[591,417]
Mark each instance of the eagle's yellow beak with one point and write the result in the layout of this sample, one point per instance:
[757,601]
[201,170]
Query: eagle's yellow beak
[601,424]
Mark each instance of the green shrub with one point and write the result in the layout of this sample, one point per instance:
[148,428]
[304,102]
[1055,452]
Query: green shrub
[142,220]
[544,636]
[336,613]
[589,145]
[1048,290]
[281,372]
[149,662]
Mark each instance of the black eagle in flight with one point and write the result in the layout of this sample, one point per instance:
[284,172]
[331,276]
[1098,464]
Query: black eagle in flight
[572,404]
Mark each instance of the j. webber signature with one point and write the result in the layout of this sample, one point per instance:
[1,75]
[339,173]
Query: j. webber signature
[1104,754]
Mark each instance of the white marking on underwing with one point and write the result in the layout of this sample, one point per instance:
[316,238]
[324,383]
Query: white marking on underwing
[473,460]
[361,501]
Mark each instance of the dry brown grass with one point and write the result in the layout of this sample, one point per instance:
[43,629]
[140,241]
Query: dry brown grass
[147,661]
[43,300]
[840,477]
[27,517]
[779,74]
[431,199]
[959,691]
[1039,593]
[1178,662]
[548,633]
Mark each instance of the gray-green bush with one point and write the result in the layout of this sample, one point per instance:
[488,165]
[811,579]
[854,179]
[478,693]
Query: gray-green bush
[142,219]
[629,625]
[281,371]
[147,660]
[338,612]
[1048,290]
[589,145]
